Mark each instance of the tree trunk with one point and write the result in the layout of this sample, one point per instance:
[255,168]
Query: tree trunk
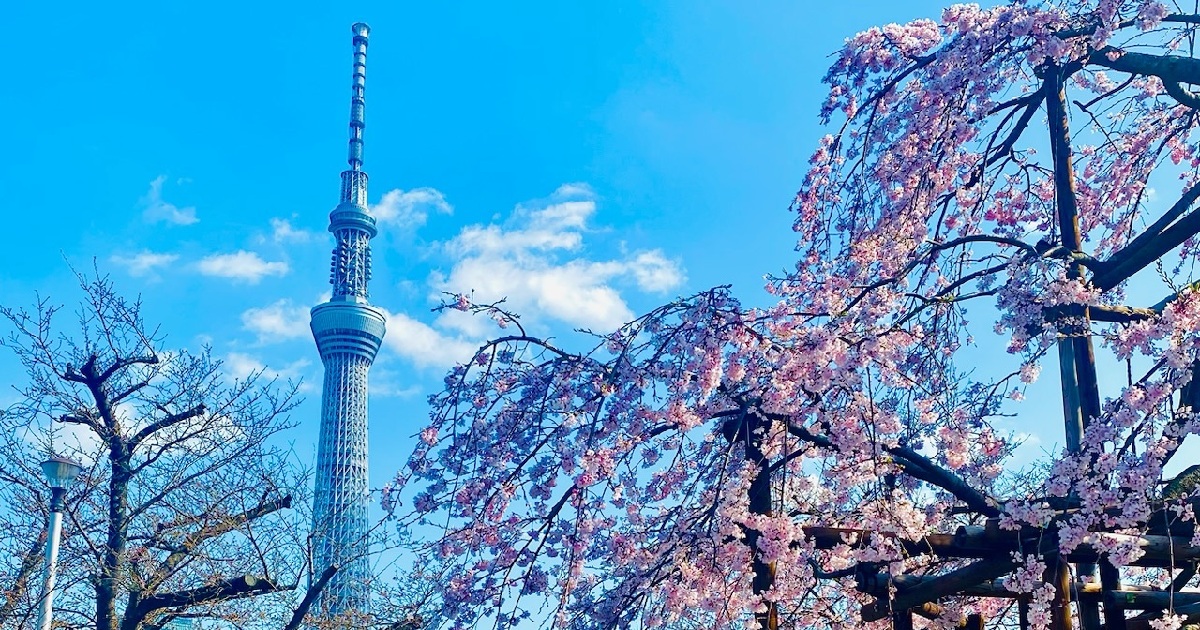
[760,504]
[118,508]
[748,429]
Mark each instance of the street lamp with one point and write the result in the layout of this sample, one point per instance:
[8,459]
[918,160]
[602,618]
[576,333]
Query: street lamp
[60,472]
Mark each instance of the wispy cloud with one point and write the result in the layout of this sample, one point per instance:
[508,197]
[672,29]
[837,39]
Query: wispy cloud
[408,209]
[241,265]
[536,261]
[143,263]
[279,321]
[157,210]
[282,231]
[391,383]
[653,272]
[240,365]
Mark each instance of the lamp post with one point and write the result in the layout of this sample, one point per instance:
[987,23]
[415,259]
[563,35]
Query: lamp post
[60,472]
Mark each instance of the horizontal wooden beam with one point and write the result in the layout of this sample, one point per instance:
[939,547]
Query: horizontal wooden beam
[941,586]
[879,585]
[1190,613]
[1126,598]
[1129,596]
[1157,551]
[933,544]
[982,542]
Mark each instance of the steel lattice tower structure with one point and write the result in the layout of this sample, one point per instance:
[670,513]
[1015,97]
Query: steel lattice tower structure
[348,332]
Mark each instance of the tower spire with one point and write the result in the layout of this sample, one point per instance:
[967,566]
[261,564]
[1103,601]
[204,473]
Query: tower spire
[348,332]
[350,222]
[358,101]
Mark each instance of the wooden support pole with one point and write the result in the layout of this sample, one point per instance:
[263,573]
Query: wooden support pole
[1081,396]
[974,622]
[902,620]
[1089,612]
[1058,573]
[1110,581]
[1085,585]
[1072,411]
[749,431]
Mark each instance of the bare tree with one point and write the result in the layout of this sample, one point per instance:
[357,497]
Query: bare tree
[188,504]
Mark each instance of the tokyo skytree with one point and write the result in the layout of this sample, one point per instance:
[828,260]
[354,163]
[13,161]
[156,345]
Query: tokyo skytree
[348,332]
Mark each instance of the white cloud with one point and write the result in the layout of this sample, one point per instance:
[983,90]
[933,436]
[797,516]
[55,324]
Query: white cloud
[493,240]
[467,325]
[143,263]
[410,209]
[574,189]
[423,344]
[64,438]
[555,227]
[392,383]
[283,232]
[537,262]
[575,292]
[655,273]
[277,322]
[155,209]
[239,365]
[241,265]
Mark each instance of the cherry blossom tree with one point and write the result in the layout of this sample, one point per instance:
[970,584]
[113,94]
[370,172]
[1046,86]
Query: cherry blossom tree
[1002,189]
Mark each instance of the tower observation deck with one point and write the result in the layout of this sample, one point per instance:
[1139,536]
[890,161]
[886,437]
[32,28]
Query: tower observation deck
[348,332]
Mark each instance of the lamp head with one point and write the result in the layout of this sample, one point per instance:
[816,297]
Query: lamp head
[60,471]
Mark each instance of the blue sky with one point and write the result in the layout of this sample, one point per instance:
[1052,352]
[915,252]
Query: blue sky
[586,160]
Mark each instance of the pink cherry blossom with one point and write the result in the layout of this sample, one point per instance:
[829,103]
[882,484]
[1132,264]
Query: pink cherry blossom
[675,470]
